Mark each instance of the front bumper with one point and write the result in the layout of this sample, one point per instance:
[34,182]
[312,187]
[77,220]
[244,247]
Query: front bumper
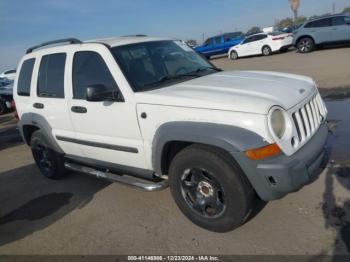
[274,178]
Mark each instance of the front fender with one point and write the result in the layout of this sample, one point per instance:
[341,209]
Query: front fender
[229,138]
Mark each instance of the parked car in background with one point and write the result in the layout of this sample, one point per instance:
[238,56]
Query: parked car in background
[9,74]
[6,98]
[322,31]
[220,44]
[261,43]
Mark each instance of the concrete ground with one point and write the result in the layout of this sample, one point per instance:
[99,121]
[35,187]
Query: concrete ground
[85,215]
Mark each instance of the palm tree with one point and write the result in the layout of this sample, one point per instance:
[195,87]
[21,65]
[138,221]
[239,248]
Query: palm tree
[294,5]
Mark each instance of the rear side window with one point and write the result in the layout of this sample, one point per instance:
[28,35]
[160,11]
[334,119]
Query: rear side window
[339,20]
[90,69]
[25,77]
[51,76]
[260,37]
[319,23]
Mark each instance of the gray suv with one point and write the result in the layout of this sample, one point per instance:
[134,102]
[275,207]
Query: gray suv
[321,31]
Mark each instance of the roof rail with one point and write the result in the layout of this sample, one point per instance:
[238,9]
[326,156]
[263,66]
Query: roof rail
[58,41]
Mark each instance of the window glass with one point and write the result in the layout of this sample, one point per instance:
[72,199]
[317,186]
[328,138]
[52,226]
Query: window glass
[89,69]
[218,40]
[208,41]
[10,72]
[338,20]
[156,64]
[25,78]
[319,23]
[51,76]
[230,36]
[260,37]
[249,39]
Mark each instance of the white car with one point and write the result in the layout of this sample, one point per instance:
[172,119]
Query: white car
[151,112]
[261,43]
[9,74]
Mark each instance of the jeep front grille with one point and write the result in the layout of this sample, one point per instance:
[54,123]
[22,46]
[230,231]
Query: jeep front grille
[308,118]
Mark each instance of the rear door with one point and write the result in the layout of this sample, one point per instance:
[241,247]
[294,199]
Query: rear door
[258,43]
[341,28]
[219,45]
[49,100]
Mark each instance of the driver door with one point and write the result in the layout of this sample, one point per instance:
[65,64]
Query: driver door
[106,131]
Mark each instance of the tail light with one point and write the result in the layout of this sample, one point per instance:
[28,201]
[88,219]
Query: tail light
[279,38]
[13,107]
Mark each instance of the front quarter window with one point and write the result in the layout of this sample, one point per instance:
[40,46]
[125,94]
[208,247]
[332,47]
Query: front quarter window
[155,64]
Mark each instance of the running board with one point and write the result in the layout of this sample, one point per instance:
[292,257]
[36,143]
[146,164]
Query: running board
[124,179]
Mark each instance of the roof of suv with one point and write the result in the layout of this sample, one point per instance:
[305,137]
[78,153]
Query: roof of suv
[125,40]
[111,42]
[327,16]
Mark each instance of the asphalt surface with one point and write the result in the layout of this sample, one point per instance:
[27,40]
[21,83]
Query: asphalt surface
[329,66]
[85,215]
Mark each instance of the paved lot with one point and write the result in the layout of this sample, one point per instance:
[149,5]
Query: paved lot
[84,215]
[329,67]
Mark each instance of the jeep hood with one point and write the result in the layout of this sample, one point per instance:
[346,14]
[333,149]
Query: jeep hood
[244,91]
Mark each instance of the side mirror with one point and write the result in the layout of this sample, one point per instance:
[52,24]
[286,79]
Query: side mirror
[99,93]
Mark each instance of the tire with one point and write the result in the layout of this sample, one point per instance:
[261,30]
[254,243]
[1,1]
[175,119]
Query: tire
[306,45]
[49,162]
[233,55]
[266,51]
[210,189]
[3,107]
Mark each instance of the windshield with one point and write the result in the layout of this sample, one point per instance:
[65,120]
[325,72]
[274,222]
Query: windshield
[156,64]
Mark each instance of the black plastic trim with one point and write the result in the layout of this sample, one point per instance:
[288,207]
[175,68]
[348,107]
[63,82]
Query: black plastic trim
[58,41]
[96,144]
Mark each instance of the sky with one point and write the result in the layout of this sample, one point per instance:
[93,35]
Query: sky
[24,23]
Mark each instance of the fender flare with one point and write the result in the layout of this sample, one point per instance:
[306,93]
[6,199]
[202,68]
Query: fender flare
[229,138]
[40,122]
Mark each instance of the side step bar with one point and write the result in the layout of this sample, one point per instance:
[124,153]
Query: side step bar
[124,179]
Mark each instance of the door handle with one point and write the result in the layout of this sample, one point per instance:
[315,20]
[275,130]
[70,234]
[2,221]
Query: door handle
[38,105]
[79,109]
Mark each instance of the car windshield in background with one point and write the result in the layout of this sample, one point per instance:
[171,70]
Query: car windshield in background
[274,33]
[151,65]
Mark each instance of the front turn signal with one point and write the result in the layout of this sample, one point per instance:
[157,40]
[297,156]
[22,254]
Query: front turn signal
[263,152]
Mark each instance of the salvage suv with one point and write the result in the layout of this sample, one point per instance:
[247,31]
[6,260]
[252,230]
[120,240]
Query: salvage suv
[151,112]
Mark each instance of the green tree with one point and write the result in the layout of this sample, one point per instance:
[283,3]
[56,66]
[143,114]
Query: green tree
[254,30]
[286,22]
[346,9]
[300,20]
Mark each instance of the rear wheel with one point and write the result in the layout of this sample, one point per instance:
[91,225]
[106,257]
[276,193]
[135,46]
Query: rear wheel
[49,162]
[266,51]
[306,45]
[210,189]
[233,55]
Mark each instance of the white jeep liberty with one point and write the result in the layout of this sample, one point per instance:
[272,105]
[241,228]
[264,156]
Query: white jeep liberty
[150,112]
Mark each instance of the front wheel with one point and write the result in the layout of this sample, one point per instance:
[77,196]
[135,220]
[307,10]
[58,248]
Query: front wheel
[210,189]
[233,55]
[49,162]
[266,51]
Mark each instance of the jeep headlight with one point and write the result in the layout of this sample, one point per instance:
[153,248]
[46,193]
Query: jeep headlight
[278,122]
